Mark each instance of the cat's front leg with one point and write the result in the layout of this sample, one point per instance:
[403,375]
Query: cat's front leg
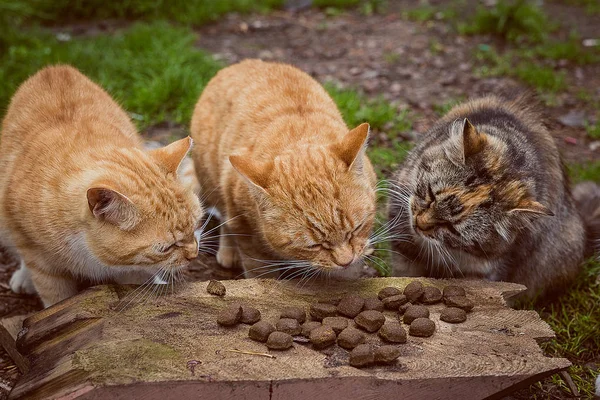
[227,256]
[401,266]
[50,287]
[21,282]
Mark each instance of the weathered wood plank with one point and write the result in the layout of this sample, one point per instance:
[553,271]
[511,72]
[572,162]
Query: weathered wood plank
[83,348]
[9,329]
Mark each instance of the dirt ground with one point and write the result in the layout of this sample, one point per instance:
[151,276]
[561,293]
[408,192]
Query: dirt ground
[417,65]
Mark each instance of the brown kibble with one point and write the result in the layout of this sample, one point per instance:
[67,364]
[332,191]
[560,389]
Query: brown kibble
[351,306]
[349,338]
[402,309]
[288,325]
[230,316]
[260,331]
[386,354]
[393,332]
[319,311]
[322,337]
[373,303]
[413,291]
[294,312]
[414,312]
[362,355]
[422,327]
[459,302]
[250,315]
[216,288]
[453,290]
[280,340]
[370,320]
[431,295]
[308,326]
[388,292]
[338,324]
[393,302]
[453,315]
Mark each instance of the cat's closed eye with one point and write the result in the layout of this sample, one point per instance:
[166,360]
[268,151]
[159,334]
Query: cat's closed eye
[164,249]
[316,246]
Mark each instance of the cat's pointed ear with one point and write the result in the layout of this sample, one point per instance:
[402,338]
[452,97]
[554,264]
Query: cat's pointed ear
[256,173]
[113,207]
[171,156]
[465,141]
[353,146]
[532,207]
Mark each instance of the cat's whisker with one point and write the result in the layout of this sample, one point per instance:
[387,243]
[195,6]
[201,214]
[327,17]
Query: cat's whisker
[203,235]
[146,286]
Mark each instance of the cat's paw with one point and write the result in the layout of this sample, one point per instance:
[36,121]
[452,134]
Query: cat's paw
[227,257]
[20,281]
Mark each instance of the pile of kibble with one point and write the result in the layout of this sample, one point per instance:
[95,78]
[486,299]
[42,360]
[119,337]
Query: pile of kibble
[330,323]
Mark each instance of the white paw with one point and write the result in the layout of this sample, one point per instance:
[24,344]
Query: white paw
[158,281]
[226,257]
[20,281]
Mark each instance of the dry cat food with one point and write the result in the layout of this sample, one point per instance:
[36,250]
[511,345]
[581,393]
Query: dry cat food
[322,337]
[250,315]
[452,290]
[373,303]
[216,288]
[388,292]
[349,338]
[288,325]
[459,302]
[431,295]
[230,316]
[393,332]
[308,326]
[294,312]
[319,311]
[362,355]
[350,306]
[280,340]
[386,354]
[370,320]
[402,309]
[422,327]
[414,312]
[338,324]
[393,302]
[260,331]
[453,315]
[413,291]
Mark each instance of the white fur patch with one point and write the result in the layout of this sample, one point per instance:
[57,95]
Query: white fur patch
[20,281]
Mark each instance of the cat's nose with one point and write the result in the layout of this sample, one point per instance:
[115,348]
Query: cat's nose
[425,224]
[191,250]
[343,256]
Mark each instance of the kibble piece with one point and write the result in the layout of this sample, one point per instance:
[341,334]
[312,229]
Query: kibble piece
[402,309]
[260,331]
[288,325]
[351,306]
[370,320]
[294,312]
[308,326]
[414,312]
[362,355]
[393,302]
[453,315]
[387,292]
[393,332]
[230,316]
[422,327]
[349,338]
[413,291]
[319,311]
[338,324]
[373,303]
[322,337]
[280,341]
[216,288]
[453,290]
[431,295]
[250,315]
[459,302]
[386,354]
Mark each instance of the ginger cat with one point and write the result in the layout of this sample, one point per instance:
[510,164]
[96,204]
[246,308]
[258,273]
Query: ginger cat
[79,198]
[293,184]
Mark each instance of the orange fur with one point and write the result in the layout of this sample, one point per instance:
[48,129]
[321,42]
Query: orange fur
[279,163]
[79,198]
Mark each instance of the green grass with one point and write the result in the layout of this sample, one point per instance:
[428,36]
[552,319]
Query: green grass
[427,13]
[593,130]
[589,171]
[153,70]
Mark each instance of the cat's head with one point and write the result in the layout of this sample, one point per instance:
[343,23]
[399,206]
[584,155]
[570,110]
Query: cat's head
[468,196]
[316,204]
[138,212]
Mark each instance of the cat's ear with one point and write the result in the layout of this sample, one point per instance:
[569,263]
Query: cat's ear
[256,173]
[532,207]
[171,156]
[465,141]
[111,206]
[353,146]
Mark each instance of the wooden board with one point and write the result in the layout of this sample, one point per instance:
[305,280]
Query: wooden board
[9,330]
[83,349]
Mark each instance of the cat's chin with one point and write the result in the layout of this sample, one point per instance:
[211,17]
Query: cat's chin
[350,273]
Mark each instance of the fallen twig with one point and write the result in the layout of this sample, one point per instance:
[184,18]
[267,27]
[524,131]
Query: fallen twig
[252,353]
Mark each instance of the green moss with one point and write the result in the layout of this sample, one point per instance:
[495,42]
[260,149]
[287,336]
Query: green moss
[589,171]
